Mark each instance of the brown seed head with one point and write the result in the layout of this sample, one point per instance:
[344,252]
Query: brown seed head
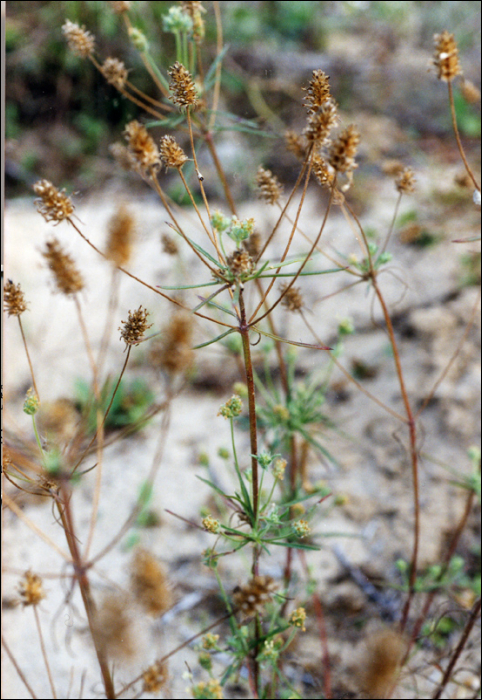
[169,245]
[195,11]
[240,263]
[142,147]
[121,236]
[446,57]
[470,92]
[67,278]
[52,204]
[381,664]
[115,72]
[405,181]
[253,596]
[293,299]
[135,326]
[270,189]
[120,7]
[321,171]
[13,299]
[296,144]
[321,122]
[30,589]
[252,244]
[173,352]
[172,155]
[114,625]
[124,157]
[80,41]
[149,583]
[343,150]
[59,419]
[155,677]
[183,92]
[318,91]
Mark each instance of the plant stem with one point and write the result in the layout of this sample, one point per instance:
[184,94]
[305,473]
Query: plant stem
[28,358]
[457,137]
[44,652]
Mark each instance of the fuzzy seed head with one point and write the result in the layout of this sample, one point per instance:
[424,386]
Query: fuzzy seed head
[321,171]
[121,237]
[115,72]
[446,57]
[172,155]
[343,151]
[183,92]
[253,596]
[135,326]
[120,7]
[173,352]
[296,144]
[114,626]
[269,187]
[142,147]
[80,41]
[253,245]
[52,204]
[317,92]
[470,92]
[155,677]
[124,157]
[293,299]
[195,11]
[405,181]
[149,583]
[13,299]
[169,245]
[30,589]
[321,122]
[67,278]
[240,263]
[381,664]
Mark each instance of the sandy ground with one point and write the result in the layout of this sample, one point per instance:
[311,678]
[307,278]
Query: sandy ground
[373,527]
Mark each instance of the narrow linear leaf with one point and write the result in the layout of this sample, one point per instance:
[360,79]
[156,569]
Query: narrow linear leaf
[189,286]
[211,74]
[291,342]
[214,340]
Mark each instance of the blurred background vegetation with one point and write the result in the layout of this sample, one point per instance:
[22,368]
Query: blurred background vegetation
[61,116]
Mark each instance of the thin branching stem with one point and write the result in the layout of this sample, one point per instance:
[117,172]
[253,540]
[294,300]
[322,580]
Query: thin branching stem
[457,137]
[44,652]
[32,374]
[19,671]
[392,225]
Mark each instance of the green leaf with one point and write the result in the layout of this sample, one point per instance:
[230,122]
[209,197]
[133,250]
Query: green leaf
[190,286]
[211,74]
[210,342]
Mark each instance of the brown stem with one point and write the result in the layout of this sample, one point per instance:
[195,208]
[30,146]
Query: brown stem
[17,668]
[44,652]
[457,137]
[208,138]
[460,647]
[28,358]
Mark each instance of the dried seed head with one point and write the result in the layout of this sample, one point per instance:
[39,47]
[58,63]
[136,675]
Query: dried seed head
[321,122]
[182,86]
[240,263]
[252,244]
[142,147]
[381,664]
[67,278]
[135,326]
[173,352]
[149,583]
[470,92]
[169,245]
[120,7]
[115,72]
[392,167]
[121,236]
[343,150]
[172,155]
[318,91]
[293,299]
[52,204]
[80,41]
[446,57]
[30,589]
[405,181]
[155,677]
[59,419]
[13,299]
[296,144]
[195,11]
[114,625]
[253,596]
[124,157]
[269,187]
[321,171]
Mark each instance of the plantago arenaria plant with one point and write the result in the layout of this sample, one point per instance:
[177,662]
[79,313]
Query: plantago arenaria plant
[250,291]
